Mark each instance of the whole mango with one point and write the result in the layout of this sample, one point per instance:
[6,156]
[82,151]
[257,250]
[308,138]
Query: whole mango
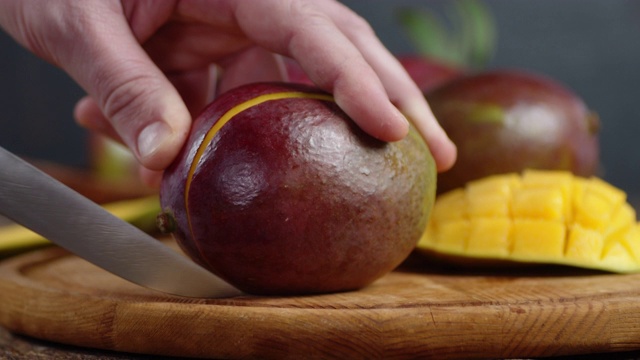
[507,121]
[278,191]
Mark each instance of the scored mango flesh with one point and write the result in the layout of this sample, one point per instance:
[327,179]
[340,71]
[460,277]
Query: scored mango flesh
[537,217]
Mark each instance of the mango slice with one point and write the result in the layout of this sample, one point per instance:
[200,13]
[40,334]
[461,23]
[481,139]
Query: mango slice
[538,216]
[140,212]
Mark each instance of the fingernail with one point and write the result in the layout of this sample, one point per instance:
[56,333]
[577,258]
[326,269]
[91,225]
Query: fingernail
[402,125]
[404,118]
[152,138]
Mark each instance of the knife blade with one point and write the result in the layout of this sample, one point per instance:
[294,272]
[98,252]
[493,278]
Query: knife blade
[39,202]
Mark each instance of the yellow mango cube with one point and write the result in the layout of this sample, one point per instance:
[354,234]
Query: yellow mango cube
[488,205]
[451,206]
[561,180]
[606,191]
[629,239]
[598,203]
[544,178]
[594,212]
[538,203]
[452,236]
[584,245]
[537,240]
[579,188]
[428,238]
[622,219]
[489,237]
[617,257]
[496,184]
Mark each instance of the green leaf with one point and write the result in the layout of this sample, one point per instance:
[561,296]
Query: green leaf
[478,32]
[428,34]
[470,41]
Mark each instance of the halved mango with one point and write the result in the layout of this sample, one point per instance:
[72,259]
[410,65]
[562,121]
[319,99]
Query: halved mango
[537,217]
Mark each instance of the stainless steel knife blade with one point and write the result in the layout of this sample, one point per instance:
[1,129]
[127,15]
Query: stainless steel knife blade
[37,201]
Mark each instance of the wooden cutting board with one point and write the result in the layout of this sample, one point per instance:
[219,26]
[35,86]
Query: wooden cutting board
[418,311]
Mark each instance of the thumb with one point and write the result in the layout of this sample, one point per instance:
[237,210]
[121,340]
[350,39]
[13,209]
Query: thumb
[141,104]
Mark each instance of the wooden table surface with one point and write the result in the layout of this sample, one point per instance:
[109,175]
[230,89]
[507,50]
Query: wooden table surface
[611,296]
[17,347]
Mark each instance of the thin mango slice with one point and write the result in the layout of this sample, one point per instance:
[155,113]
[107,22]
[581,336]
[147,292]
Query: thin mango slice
[538,216]
[140,212]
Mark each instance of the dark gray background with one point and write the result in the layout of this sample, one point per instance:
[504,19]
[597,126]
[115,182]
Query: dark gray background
[592,46]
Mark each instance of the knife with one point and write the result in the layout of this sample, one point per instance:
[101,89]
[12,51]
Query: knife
[37,201]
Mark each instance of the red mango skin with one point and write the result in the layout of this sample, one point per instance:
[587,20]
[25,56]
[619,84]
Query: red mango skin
[172,187]
[291,197]
[509,120]
[428,73]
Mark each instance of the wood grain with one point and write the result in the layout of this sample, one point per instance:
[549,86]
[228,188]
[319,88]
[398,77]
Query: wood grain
[417,311]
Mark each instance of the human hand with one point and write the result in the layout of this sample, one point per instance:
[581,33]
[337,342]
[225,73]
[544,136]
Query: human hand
[147,65]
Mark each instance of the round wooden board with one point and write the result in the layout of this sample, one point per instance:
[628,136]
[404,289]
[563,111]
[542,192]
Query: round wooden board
[414,312]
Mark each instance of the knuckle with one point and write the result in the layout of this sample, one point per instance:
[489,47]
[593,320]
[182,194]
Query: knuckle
[125,96]
[356,24]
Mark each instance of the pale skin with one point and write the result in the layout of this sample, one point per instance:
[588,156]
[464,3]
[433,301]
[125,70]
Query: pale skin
[150,66]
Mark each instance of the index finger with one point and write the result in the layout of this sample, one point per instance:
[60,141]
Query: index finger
[341,54]
[305,31]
